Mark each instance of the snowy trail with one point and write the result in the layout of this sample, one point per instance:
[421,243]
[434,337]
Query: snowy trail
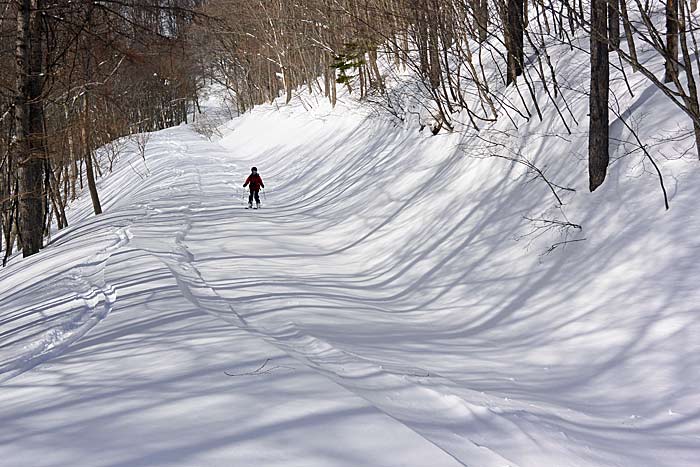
[341,367]
[402,319]
[181,359]
[419,399]
[434,414]
[471,425]
[292,270]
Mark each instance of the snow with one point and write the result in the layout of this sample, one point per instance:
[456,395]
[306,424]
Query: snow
[390,305]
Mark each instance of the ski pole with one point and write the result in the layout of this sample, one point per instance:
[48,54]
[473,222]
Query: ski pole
[264,195]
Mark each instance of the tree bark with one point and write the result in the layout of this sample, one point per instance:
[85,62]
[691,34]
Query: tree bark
[514,39]
[614,24]
[287,84]
[481,18]
[87,153]
[422,43]
[598,156]
[628,33]
[29,125]
[375,69]
[671,40]
[433,51]
[692,99]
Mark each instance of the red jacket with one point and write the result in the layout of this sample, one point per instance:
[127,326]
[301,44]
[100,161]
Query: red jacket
[255,182]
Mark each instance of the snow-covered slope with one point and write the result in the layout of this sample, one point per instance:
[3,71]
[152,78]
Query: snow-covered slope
[391,304]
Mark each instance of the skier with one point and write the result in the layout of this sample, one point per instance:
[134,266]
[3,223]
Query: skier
[256,183]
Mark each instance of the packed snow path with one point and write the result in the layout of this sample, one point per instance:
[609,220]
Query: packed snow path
[361,324]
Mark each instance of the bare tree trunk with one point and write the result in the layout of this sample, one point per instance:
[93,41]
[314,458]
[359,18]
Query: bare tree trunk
[334,89]
[514,39]
[87,153]
[287,84]
[433,52]
[692,99]
[9,232]
[614,24]
[598,156]
[361,79]
[628,33]
[671,40]
[59,203]
[326,78]
[375,69]
[480,10]
[422,41]
[29,126]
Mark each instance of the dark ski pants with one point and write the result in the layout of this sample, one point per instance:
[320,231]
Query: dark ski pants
[254,194]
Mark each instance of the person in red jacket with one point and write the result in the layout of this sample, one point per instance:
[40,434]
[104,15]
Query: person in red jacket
[255,182]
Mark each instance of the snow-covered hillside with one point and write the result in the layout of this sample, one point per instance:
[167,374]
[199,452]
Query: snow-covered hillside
[397,301]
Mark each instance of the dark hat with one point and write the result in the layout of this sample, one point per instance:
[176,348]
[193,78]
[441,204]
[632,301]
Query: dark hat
[254,169]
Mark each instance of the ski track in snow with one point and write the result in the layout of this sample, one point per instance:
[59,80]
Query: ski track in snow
[96,299]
